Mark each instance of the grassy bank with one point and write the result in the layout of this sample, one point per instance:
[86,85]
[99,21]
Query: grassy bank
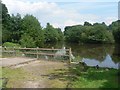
[0,76]
[43,74]
[78,77]
[94,78]
[15,77]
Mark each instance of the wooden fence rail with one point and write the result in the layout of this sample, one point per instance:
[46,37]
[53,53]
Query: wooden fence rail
[38,51]
[47,49]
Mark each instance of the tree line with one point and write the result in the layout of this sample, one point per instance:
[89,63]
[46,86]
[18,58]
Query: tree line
[96,33]
[28,32]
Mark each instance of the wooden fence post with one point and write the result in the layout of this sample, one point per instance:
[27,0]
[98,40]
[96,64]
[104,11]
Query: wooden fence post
[5,48]
[52,51]
[53,48]
[24,51]
[70,55]
[37,52]
[14,54]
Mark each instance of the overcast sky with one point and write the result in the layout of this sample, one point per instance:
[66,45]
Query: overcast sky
[61,13]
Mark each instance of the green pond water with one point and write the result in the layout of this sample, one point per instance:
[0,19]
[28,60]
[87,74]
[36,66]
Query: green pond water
[104,55]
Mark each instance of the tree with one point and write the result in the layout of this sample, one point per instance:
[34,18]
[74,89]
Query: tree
[60,33]
[101,34]
[16,27]
[33,29]
[27,41]
[52,34]
[97,33]
[0,34]
[115,28]
[73,33]
[5,24]
[87,24]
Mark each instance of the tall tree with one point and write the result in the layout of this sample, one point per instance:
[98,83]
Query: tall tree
[115,28]
[52,34]
[87,24]
[0,22]
[16,27]
[96,33]
[5,23]
[32,28]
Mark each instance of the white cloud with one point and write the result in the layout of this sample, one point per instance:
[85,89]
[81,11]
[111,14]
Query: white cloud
[51,12]
[15,6]
[109,20]
[71,22]
[76,0]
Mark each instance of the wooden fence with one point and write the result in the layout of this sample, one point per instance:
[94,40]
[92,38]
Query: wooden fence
[38,51]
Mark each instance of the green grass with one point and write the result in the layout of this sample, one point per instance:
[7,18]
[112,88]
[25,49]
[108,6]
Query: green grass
[10,44]
[79,77]
[0,83]
[0,76]
[94,78]
[16,77]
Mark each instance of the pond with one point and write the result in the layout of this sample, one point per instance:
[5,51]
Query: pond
[103,55]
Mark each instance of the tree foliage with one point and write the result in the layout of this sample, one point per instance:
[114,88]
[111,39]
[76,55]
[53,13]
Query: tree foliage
[87,24]
[15,27]
[5,23]
[27,41]
[115,28]
[32,32]
[96,33]
[52,34]
[28,32]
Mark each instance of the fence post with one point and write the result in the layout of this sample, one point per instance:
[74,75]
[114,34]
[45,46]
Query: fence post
[37,52]
[14,51]
[70,55]
[24,52]
[52,51]
[18,52]
[5,48]
[52,47]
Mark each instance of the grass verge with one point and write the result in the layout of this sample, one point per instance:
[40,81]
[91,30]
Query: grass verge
[16,77]
[94,78]
[76,76]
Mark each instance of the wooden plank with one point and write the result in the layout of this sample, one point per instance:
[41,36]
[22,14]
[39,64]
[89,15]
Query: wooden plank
[8,51]
[44,54]
[39,53]
[49,49]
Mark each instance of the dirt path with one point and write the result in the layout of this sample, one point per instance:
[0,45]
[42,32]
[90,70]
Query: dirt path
[50,74]
[14,61]
[47,74]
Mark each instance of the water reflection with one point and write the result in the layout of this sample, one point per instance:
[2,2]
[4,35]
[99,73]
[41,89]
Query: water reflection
[116,54]
[94,52]
[107,62]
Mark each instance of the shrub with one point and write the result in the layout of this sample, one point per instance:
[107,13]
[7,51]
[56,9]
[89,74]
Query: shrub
[10,44]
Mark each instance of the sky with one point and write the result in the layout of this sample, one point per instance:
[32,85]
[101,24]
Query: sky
[61,13]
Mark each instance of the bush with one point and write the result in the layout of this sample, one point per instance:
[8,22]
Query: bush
[10,44]
[27,41]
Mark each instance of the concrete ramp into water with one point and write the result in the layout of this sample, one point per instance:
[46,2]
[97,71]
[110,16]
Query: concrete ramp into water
[14,61]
